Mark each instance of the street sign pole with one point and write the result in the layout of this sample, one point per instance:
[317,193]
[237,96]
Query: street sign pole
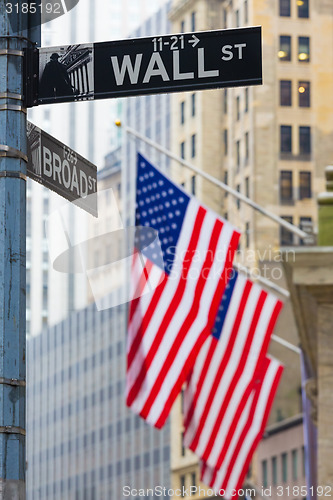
[12,257]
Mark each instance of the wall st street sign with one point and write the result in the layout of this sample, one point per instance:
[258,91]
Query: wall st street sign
[168,63]
[59,168]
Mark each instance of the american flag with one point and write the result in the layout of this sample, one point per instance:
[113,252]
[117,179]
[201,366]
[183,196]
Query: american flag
[222,377]
[169,323]
[250,426]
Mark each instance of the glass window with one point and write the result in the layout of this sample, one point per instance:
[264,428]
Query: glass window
[304,140]
[238,153]
[264,473]
[285,139]
[247,234]
[193,184]
[193,140]
[304,48]
[286,185]
[285,48]
[238,188]
[246,12]
[286,238]
[246,146]
[237,107]
[193,104]
[193,21]
[182,447]
[246,108]
[182,150]
[274,471]
[302,8]
[304,94]
[247,187]
[225,101]
[194,479]
[225,24]
[182,112]
[285,8]
[225,141]
[304,185]
[237,19]
[284,461]
[285,92]
[303,460]
[182,485]
[294,462]
[182,26]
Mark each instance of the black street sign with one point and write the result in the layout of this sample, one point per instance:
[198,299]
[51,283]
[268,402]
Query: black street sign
[168,63]
[61,169]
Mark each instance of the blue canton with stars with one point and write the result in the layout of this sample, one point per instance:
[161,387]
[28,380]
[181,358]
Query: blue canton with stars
[223,307]
[161,205]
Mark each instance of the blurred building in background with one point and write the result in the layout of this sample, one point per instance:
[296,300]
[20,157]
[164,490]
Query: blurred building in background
[269,142]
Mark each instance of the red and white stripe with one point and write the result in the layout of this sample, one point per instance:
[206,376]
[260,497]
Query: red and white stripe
[168,326]
[250,427]
[222,377]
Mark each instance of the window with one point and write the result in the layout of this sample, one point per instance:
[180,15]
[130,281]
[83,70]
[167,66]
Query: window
[225,180]
[182,485]
[304,185]
[237,19]
[182,112]
[182,150]
[246,108]
[294,464]
[193,479]
[285,48]
[247,187]
[225,141]
[225,24]
[193,21]
[285,8]
[303,8]
[286,185]
[182,26]
[303,48]
[225,101]
[274,471]
[238,154]
[193,139]
[193,184]
[246,12]
[264,473]
[285,92]
[285,139]
[284,463]
[246,147]
[304,94]
[303,460]
[237,108]
[238,188]
[193,104]
[286,238]
[304,140]
[182,447]
[247,234]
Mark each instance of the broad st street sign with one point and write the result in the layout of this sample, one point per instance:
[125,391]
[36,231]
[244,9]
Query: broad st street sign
[61,169]
[169,63]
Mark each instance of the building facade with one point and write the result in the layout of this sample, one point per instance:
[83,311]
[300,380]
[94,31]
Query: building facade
[269,142]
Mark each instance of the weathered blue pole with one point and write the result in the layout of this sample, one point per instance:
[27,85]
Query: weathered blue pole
[13,160]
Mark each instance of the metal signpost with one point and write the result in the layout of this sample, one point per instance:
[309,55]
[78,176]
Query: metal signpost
[169,63]
[59,168]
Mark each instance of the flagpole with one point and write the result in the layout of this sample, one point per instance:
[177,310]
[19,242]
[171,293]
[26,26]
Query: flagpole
[217,182]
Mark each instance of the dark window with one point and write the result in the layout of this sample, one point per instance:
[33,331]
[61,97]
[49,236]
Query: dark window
[285,8]
[238,188]
[247,187]
[304,140]
[182,447]
[156,457]
[182,112]
[225,23]
[193,140]
[193,104]
[225,101]
[284,463]
[246,146]
[264,473]
[303,8]
[182,26]
[246,12]
[247,234]
[193,479]
[274,471]
[182,150]
[303,48]
[237,18]
[285,92]
[246,108]
[193,184]
[286,185]
[285,48]
[304,185]
[182,485]
[237,107]
[286,238]
[238,153]
[193,21]
[285,139]
[304,94]
[225,141]
[294,458]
